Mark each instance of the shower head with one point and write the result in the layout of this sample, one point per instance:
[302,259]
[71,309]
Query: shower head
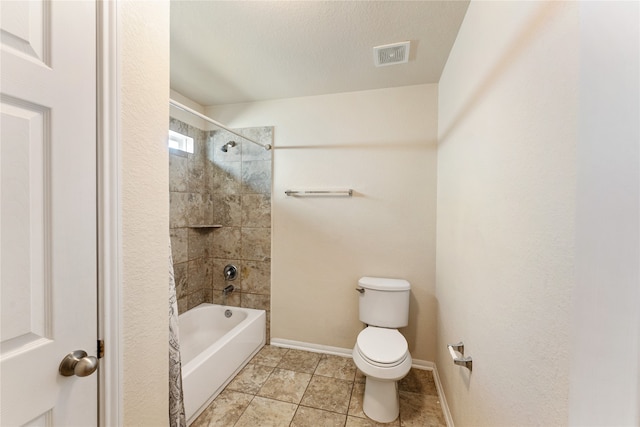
[228,145]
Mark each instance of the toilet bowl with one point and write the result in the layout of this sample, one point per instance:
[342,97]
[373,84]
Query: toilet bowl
[383,357]
[381,352]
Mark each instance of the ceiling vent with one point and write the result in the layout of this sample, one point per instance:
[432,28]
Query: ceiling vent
[391,54]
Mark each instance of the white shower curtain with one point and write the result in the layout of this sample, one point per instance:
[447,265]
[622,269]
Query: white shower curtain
[176,404]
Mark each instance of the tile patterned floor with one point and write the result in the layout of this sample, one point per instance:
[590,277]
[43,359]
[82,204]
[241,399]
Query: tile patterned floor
[282,387]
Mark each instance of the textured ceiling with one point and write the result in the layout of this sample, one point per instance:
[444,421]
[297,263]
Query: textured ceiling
[226,52]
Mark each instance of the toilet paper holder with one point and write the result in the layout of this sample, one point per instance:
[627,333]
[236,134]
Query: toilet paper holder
[462,361]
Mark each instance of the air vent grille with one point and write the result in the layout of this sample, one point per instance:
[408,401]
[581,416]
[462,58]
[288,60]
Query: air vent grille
[390,54]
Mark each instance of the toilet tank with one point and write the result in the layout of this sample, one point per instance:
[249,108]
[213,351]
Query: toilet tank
[384,302]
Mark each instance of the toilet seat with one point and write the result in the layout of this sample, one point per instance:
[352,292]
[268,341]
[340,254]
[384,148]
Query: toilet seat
[382,347]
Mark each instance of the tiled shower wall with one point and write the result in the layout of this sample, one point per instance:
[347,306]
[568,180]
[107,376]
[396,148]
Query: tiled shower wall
[190,203]
[232,190]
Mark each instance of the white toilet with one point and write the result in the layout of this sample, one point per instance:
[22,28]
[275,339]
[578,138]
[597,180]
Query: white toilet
[381,352]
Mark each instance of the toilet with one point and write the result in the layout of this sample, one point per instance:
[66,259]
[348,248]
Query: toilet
[381,351]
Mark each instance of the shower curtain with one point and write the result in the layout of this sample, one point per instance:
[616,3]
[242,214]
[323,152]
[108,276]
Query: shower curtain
[176,404]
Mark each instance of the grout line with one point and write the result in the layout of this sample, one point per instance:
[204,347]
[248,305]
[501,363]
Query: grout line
[294,415]
[244,410]
[353,386]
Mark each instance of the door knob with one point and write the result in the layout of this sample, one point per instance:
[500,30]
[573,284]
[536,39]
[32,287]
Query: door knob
[78,363]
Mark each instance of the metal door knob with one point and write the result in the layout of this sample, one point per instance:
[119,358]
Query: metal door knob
[78,363]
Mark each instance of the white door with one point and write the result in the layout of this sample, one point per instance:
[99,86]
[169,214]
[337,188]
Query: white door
[47,210]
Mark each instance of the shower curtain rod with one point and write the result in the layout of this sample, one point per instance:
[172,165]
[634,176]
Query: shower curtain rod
[213,122]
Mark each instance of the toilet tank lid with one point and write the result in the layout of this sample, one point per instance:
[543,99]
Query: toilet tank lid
[384,284]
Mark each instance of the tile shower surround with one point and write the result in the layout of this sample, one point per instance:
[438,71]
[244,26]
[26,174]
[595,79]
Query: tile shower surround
[232,189]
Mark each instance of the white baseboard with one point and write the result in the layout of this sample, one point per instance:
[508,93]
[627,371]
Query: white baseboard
[315,348]
[346,352]
[443,399]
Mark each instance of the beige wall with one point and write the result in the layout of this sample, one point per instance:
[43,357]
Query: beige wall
[509,124]
[605,363]
[382,144]
[508,105]
[144,81]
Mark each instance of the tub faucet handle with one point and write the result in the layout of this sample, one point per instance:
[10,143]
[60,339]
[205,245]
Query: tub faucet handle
[230,272]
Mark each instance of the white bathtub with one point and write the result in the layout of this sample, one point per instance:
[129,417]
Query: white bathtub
[214,348]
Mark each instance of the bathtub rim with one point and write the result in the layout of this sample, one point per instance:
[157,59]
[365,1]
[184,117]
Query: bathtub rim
[252,315]
[200,361]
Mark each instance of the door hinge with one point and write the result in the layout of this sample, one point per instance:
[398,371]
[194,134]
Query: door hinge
[100,349]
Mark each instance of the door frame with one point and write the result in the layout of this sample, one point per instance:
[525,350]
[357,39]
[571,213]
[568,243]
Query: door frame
[110,395]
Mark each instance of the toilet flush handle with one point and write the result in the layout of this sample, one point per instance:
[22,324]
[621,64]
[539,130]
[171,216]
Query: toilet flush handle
[361,290]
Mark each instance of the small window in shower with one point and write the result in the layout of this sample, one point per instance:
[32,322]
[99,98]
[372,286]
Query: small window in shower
[180,142]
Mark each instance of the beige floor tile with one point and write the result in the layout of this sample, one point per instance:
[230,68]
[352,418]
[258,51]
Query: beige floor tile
[336,367]
[311,417]
[250,378]
[269,356]
[224,411]
[368,422]
[325,399]
[420,410]
[300,361]
[265,412]
[285,385]
[419,381]
[330,394]
[355,404]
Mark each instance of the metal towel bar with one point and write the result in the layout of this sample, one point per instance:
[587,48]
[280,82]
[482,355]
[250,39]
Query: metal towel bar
[462,361]
[313,193]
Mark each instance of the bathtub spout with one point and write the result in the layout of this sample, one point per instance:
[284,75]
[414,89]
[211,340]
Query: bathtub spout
[226,291]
